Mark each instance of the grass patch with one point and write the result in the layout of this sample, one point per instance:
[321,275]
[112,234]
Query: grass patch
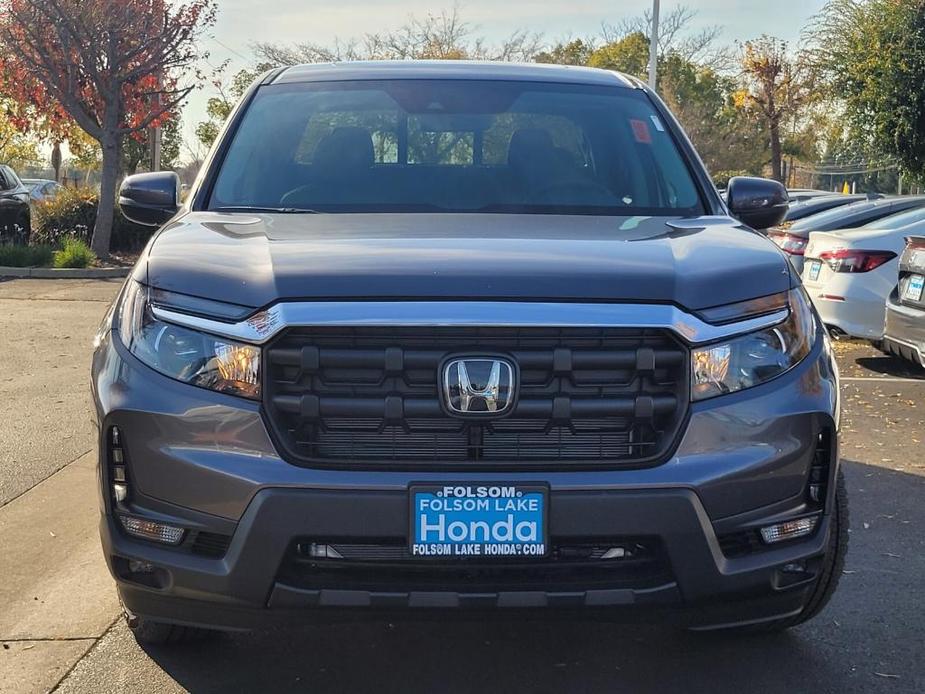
[74,253]
[26,256]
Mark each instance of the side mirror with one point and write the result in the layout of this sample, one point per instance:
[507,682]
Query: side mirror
[150,198]
[758,202]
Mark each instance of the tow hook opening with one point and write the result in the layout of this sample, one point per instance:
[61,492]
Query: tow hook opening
[795,573]
[141,572]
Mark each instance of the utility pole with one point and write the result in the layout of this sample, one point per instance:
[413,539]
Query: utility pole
[155,134]
[653,46]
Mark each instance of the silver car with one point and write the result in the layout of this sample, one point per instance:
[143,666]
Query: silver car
[905,307]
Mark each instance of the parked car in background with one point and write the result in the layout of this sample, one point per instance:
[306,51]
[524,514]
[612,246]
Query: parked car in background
[849,274]
[15,217]
[793,240]
[41,189]
[803,194]
[899,220]
[801,209]
[904,334]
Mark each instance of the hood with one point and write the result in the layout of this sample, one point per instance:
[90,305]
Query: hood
[255,260]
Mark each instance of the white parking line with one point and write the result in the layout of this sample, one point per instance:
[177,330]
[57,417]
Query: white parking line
[885,379]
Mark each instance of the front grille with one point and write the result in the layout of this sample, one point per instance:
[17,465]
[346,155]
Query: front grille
[369,396]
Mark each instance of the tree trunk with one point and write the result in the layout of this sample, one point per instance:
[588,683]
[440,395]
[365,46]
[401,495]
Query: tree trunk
[102,230]
[776,156]
[56,160]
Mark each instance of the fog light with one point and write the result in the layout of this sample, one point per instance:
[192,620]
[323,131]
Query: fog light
[318,551]
[789,530]
[614,553]
[120,492]
[150,530]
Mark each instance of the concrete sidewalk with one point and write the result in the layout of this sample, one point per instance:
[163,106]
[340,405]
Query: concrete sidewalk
[56,597]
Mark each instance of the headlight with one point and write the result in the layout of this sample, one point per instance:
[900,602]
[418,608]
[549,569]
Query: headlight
[754,358]
[184,354]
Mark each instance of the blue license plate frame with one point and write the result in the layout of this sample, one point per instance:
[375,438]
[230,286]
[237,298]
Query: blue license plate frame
[491,514]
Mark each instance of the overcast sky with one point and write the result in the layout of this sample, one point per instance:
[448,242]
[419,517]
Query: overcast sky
[242,22]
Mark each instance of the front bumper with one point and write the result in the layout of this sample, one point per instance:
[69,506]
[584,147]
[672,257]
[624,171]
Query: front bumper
[904,335]
[204,461]
[245,588]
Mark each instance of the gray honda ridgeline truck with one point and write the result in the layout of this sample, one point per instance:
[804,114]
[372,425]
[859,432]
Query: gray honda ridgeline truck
[463,339]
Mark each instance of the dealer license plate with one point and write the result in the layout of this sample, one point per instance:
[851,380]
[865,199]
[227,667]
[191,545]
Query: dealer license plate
[914,288]
[814,267]
[478,520]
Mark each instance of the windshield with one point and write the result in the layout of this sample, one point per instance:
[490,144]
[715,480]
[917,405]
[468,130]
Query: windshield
[897,221]
[454,146]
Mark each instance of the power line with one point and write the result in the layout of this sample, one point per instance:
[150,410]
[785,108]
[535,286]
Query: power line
[826,172]
[229,48]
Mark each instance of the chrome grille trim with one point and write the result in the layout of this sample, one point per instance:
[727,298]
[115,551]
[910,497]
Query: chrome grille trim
[263,326]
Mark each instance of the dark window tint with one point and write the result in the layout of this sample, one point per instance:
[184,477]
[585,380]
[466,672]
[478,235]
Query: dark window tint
[897,221]
[455,145]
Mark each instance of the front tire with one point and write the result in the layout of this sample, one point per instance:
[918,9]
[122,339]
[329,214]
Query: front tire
[151,633]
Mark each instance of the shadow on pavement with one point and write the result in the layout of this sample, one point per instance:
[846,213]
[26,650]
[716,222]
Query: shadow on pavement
[868,639]
[891,366]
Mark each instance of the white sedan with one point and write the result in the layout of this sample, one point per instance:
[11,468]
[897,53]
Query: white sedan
[850,273]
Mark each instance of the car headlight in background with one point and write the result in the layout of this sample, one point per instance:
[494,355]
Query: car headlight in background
[754,358]
[187,355]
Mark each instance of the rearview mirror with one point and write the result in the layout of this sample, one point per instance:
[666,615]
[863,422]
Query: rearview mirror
[150,198]
[758,202]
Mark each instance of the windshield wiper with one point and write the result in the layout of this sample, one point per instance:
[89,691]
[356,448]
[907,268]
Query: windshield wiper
[274,210]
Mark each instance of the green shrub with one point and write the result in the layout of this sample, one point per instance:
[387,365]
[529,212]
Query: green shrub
[25,256]
[74,253]
[72,214]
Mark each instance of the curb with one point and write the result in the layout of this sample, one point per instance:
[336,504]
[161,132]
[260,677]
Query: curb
[47,273]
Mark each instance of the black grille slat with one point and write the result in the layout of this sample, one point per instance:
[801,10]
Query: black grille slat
[210,544]
[363,396]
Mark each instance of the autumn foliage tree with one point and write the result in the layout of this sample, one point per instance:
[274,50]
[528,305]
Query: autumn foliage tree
[115,67]
[780,86]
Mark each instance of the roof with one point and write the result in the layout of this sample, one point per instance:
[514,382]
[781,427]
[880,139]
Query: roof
[451,69]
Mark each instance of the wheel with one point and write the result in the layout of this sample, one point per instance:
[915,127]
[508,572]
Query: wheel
[831,570]
[149,632]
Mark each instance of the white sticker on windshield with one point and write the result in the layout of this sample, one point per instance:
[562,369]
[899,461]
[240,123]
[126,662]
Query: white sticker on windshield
[657,123]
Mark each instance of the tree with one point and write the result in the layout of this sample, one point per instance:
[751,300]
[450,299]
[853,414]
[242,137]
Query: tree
[629,54]
[574,52]
[219,107]
[16,148]
[872,53]
[779,86]
[442,36]
[675,37]
[113,66]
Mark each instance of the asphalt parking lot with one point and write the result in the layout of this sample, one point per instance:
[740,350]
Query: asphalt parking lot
[869,639]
